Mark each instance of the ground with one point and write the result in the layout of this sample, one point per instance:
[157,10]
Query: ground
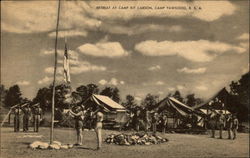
[179,145]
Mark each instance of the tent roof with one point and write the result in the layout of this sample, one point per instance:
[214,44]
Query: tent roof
[223,90]
[180,103]
[176,105]
[106,100]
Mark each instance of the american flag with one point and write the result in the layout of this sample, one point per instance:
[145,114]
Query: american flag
[66,65]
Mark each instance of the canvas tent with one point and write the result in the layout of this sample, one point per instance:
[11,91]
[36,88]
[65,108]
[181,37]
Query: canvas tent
[114,113]
[177,112]
[217,102]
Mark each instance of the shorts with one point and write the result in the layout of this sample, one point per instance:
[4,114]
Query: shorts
[98,125]
[79,125]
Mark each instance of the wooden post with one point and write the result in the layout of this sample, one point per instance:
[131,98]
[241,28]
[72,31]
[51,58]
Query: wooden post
[54,79]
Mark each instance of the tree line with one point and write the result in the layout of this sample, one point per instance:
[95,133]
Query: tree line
[239,96]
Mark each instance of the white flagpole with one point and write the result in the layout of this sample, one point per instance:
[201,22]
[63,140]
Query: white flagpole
[54,79]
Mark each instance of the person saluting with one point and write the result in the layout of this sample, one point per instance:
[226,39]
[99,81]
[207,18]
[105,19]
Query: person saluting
[79,117]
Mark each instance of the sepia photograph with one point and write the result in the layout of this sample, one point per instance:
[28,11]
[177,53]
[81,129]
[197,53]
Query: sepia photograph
[124,79]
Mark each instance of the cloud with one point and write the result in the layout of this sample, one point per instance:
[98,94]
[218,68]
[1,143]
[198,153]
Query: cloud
[103,49]
[244,36]
[210,10]
[192,71]
[160,92]
[85,66]
[23,83]
[48,79]
[180,87]
[103,82]
[113,81]
[40,16]
[197,51]
[50,70]
[171,88]
[68,33]
[72,54]
[245,69]
[201,88]
[138,28]
[154,68]
[159,83]
[138,98]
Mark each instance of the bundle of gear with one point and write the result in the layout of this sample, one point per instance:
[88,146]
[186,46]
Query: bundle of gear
[134,139]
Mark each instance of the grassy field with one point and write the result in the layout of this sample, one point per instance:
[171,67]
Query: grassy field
[15,145]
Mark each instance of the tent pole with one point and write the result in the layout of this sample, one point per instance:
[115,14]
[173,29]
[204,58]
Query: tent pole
[54,79]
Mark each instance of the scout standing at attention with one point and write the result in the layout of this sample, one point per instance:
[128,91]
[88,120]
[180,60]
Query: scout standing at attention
[235,126]
[98,127]
[17,113]
[221,123]
[79,117]
[26,117]
[37,117]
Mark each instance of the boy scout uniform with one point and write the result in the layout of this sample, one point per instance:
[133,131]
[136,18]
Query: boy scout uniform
[98,129]
[26,116]
[235,126]
[37,118]
[17,112]
[221,123]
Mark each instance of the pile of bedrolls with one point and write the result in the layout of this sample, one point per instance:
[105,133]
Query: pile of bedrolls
[134,139]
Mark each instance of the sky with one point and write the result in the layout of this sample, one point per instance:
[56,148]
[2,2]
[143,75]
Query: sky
[138,46]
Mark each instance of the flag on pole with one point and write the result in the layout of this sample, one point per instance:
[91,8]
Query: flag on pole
[66,65]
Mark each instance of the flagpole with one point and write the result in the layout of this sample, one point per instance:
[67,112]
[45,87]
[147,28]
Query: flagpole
[54,79]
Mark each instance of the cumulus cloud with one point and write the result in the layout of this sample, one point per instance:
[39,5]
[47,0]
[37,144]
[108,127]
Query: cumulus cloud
[138,28]
[192,71]
[197,51]
[201,88]
[40,16]
[244,36]
[103,49]
[154,68]
[113,81]
[171,88]
[48,79]
[180,87]
[50,70]
[159,83]
[72,54]
[23,83]
[85,66]
[68,33]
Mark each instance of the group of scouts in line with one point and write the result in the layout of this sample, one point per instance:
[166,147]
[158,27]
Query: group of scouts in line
[83,116]
[228,121]
[145,119]
[35,112]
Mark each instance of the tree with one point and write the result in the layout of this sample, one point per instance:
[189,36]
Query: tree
[130,102]
[177,95]
[150,101]
[3,93]
[86,91]
[44,96]
[13,96]
[191,100]
[240,89]
[239,100]
[113,93]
